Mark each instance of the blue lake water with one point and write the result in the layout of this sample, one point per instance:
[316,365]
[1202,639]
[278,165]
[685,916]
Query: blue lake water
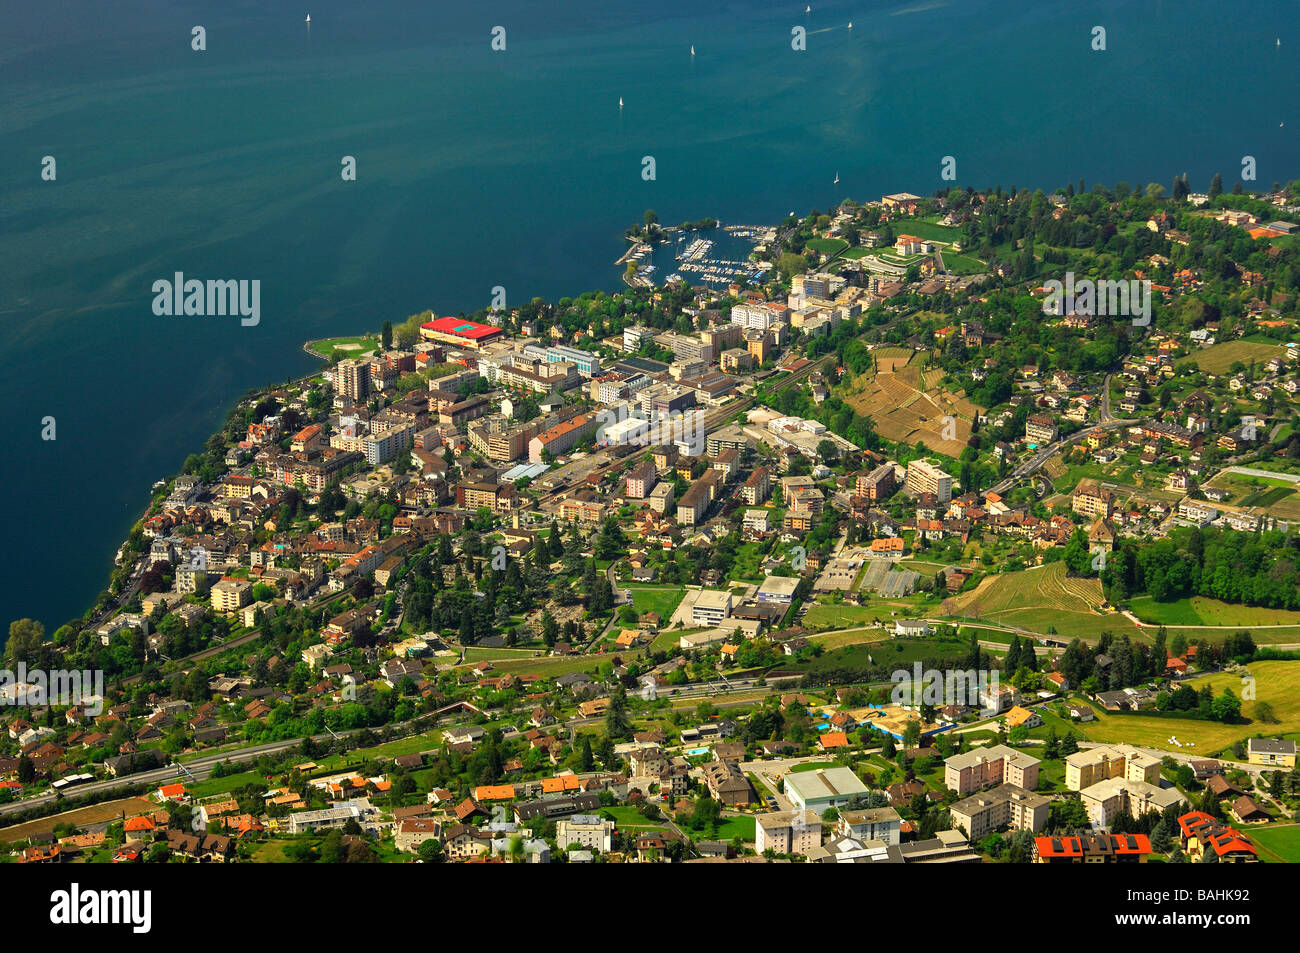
[479,168]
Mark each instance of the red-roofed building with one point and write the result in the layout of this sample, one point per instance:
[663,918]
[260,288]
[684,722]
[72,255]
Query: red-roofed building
[1092,849]
[460,332]
[1198,830]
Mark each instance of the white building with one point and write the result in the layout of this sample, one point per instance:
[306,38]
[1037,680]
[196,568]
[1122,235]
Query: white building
[711,607]
[585,830]
[823,788]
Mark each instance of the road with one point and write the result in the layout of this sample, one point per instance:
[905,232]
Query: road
[1046,453]
[200,769]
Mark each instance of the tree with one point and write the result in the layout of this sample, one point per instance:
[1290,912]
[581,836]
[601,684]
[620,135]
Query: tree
[1227,707]
[617,724]
[25,638]
[386,335]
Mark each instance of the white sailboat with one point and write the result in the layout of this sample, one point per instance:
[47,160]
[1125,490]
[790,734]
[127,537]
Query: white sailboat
[620,102]
[850,24]
[807,10]
[837,178]
[309,18]
[692,49]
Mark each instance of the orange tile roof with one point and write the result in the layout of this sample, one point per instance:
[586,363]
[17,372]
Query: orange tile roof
[494,792]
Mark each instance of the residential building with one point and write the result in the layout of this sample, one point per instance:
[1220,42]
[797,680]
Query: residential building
[787,832]
[1092,849]
[924,477]
[991,765]
[1271,752]
[1007,805]
[1085,768]
[882,823]
[588,831]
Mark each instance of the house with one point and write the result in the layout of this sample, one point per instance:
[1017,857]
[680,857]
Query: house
[1272,752]
[727,784]
[1199,831]
[585,831]
[1248,811]
[1019,717]
[1221,787]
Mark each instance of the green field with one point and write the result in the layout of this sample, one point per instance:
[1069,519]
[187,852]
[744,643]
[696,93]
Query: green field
[837,640]
[354,346]
[1268,497]
[963,264]
[1198,610]
[898,652]
[736,825]
[930,231]
[660,599]
[827,246]
[1274,683]
[1278,844]
[1038,600]
[224,785]
[630,819]
[823,617]
[1217,358]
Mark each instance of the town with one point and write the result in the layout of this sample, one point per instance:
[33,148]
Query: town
[876,554]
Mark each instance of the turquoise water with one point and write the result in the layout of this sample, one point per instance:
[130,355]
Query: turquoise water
[478,168]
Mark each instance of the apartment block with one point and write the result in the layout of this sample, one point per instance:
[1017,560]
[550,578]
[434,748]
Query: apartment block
[1007,805]
[992,765]
[1083,769]
[787,832]
[924,477]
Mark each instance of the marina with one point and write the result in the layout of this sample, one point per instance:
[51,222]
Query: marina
[718,255]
